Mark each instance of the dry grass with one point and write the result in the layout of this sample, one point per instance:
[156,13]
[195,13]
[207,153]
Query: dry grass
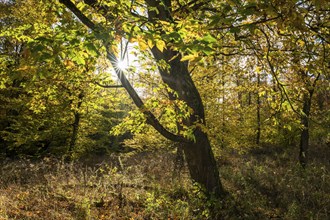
[53,189]
[263,184]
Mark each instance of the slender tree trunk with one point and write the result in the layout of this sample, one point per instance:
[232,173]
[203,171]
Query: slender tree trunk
[74,135]
[75,125]
[178,162]
[223,128]
[258,121]
[249,98]
[307,104]
[239,93]
[274,89]
[304,135]
[258,111]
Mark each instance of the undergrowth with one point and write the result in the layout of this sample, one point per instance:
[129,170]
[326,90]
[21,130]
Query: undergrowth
[261,185]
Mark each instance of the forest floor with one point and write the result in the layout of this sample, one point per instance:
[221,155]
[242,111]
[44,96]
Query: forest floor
[265,183]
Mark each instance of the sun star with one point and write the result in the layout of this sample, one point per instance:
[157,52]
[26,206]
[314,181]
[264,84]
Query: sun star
[122,65]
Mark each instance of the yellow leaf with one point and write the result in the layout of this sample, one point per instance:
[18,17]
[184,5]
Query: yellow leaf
[301,43]
[22,68]
[68,63]
[258,69]
[143,46]
[133,39]
[114,49]
[189,57]
[150,43]
[160,44]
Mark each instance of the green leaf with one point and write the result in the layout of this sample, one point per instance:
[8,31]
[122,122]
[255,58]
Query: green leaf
[79,60]
[215,20]
[37,48]
[234,30]
[46,56]
[174,36]
[209,39]
[208,50]
[91,49]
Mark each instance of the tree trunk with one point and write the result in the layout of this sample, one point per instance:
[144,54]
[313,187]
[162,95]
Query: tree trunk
[202,165]
[74,135]
[75,124]
[304,136]
[199,156]
[239,93]
[178,162]
[223,127]
[258,111]
[307,104]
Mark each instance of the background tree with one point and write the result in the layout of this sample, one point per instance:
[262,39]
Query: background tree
[50,100]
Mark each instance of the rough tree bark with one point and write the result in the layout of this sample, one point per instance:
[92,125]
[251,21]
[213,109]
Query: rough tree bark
[199,155]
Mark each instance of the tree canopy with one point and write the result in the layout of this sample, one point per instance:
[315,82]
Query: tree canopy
[209,75]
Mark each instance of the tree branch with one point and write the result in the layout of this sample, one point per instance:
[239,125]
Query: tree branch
[108,86]
[193,5]
[247,24]
[273,72]
[79,14]
[151,119]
